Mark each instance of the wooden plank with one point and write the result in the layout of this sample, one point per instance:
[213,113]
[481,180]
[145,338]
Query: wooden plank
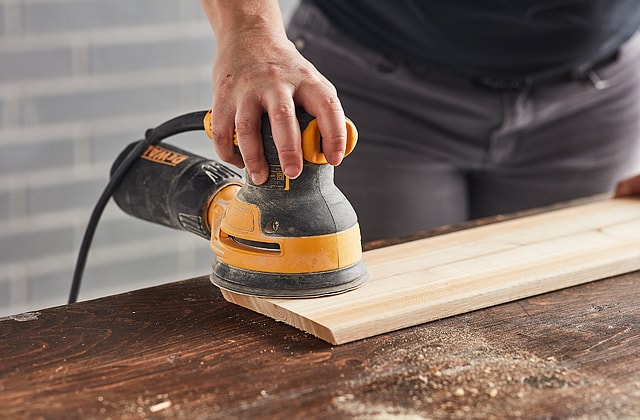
[446,275]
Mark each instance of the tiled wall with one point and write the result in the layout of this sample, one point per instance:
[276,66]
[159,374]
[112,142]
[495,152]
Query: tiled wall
[80,79]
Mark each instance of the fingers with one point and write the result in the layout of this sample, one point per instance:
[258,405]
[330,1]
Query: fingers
[222,126]
[248,121]
[286,134]
[331,122]
[322,102]
[285,128]
[630,186]
[244,88]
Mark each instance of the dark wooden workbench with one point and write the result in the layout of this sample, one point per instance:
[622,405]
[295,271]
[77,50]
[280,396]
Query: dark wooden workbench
[180,351]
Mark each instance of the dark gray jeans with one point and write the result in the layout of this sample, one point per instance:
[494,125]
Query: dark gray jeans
[437,149]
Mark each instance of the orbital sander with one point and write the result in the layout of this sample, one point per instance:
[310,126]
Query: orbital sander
[289,238]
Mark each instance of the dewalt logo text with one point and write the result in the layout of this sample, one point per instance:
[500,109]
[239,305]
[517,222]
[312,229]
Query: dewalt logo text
[165,156]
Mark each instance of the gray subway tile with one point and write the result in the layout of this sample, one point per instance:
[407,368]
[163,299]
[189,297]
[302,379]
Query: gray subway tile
[135,56]
[3,26]
[49,287]
[3,113]
[5,294]
[122,275]
[25,246]
[93,104]
[204,92]
[133,274]
[122,231]
[32,157]
[203,260]
[64,196]
[5,205]
[106,147]
[47,16]
[31,64]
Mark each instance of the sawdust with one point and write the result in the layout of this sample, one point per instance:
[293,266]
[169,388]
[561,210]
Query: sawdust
[348,403]
[23,317]
[141,407]
[453,373]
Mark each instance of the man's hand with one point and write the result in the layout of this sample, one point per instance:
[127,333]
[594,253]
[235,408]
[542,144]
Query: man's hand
[257,69]
[629,186]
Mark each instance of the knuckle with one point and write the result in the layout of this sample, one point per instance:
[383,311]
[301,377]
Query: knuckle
[252,160]
[289,150]
[332,104]
[245,79]
[282,113]
[309,73]
[244,127]
[273,71]
[225,153]
[219,139]
[288,156]
[247,122]
[337,140]
[223,85]
[223,145]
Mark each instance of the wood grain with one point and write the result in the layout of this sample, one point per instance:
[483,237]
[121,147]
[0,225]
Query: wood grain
[455,273]
[179,351]
[567,354]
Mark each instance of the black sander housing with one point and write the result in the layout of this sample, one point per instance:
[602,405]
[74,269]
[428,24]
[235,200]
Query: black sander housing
[284,238]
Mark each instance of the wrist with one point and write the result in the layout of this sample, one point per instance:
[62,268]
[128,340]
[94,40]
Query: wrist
[245,19]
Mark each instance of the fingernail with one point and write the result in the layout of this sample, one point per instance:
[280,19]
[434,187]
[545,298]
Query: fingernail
[258,178]
[336,158]
[291,171]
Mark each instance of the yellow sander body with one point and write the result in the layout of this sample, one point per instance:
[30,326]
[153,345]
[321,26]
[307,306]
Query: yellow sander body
[284,238]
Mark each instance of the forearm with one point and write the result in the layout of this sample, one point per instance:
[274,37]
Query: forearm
[249,17]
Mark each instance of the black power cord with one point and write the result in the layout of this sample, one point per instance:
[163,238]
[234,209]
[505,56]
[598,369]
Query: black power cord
[153,136]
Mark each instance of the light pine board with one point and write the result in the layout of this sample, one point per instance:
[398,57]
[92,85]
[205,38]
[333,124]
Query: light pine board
[441,276]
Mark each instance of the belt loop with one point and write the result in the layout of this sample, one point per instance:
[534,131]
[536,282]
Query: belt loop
[596,81]
[589,71]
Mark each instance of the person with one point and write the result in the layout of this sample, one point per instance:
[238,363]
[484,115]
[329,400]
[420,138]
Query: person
[464,108]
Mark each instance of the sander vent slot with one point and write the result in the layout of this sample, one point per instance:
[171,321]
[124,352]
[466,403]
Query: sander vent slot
[263,246]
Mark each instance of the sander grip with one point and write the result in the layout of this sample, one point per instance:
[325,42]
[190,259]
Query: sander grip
[172,187]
